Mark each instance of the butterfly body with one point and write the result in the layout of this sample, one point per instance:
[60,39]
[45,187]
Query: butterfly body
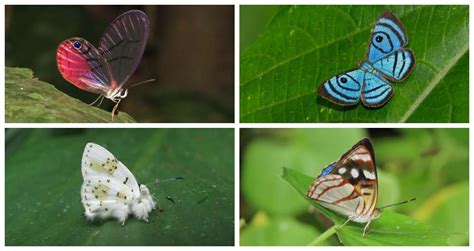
[109,189]
[386,60]
[105,70]
[349,186]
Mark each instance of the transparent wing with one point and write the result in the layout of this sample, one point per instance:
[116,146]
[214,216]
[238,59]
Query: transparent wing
[388,36]
[81,64]
[123,43]
[99,162]
[344,88]
[396,66]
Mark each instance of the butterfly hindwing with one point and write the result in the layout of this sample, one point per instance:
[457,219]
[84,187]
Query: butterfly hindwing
[109,189]
[80,63]
[122,44]
[344,88]
[376,90]
[396,66]
[100,194]
[349,185]
[387,59]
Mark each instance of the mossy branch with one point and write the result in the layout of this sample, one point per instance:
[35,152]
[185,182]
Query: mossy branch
[29,100]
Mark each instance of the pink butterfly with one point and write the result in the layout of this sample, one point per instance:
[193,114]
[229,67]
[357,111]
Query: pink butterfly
[104,70]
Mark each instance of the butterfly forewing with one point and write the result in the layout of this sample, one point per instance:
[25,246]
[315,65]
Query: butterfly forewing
[122,44]
[349,186]
[387,59]
[99,162]
[344,88]
[387,37]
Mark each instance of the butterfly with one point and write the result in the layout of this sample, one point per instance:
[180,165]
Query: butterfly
[387,60]
[349,186]
[109,189]
[104,70]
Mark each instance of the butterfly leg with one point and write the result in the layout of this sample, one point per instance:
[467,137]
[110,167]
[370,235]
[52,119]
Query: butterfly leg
[347,221]
[365,228]
[97,99]
[102,99]
[117,102]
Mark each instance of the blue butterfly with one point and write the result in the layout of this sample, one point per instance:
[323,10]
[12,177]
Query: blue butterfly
[387,59]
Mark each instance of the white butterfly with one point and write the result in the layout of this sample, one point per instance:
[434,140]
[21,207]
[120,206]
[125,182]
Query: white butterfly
[110,190]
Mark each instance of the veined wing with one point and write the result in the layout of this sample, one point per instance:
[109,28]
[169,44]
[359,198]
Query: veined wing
[123,43]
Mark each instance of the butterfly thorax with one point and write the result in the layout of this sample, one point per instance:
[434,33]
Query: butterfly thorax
[116,94]
[144,191]
[367,217]
[367,67]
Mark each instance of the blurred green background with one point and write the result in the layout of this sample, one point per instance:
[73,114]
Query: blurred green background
[429,164]
[43,179]
[190,53]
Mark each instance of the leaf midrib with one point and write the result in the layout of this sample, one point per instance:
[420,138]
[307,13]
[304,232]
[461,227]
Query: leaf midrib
[427,90]
[436,80]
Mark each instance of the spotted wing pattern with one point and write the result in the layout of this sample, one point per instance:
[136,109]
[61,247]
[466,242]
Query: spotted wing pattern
[349,185]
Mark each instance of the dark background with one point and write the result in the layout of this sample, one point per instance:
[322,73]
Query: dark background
[190,53]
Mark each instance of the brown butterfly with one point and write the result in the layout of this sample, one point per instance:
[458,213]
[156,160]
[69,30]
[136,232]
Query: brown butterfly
[349,186]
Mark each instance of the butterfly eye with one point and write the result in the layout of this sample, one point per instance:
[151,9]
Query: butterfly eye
[343,80]
[379,39]
[77,45]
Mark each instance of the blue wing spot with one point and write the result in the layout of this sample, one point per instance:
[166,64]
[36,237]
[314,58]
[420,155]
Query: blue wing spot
[327,170]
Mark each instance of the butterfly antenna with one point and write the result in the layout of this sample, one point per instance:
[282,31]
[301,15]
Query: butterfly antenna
[143,82]
[399,203]
[166,180]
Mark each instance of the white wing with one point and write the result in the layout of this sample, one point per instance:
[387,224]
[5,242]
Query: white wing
[337,194]
[104,197]
[99,162]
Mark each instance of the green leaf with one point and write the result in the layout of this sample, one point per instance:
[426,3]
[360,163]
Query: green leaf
[449,208]
[43,179]
[304,45]
[28,100]
[253,19]
[299,148]
[280,231]
[391,228]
